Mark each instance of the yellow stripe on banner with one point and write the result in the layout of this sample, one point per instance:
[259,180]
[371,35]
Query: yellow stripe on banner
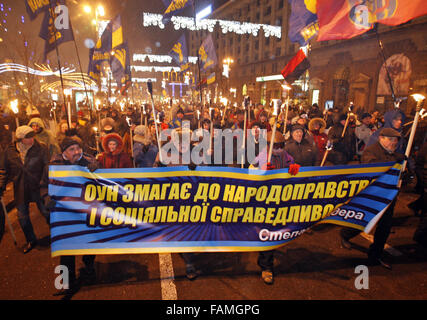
[161,250]
[217,174]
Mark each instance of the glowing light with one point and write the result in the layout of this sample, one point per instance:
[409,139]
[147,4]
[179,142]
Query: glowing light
[158,58]
[151,19]
[418,97]
[44,71]
[155,69]
[14,106]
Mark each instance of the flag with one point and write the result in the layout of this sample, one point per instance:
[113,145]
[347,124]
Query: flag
[175,7]
[296,67]
[179,53]
[112,36]
[344,19]
[211,79]
[34,8]
[303,24]
[96,58]
[55,33]
[207,54]
[120,67]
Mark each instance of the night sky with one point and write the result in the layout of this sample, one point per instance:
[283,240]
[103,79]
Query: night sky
[140,39]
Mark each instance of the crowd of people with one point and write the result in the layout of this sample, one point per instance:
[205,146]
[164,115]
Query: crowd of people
[112,138]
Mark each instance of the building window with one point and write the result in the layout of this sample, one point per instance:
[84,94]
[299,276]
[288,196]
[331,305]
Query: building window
[280,4]
[256,44]
[278,52]
[256,57]
[267,11]
[267,54]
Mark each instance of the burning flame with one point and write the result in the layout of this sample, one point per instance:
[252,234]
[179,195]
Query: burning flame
[14,106]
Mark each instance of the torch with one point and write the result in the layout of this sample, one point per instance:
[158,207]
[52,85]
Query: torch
[328,148]
[150,91]
[276,103]
[131,138]
[419,98]
[15,109]
[349,114]
[246,102]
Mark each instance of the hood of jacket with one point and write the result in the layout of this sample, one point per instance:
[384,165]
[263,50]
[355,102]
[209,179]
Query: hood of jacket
[389,116]
[115,137]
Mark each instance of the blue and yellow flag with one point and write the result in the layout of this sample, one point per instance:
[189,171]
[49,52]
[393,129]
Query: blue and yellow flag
[112,36]
[207,54]
[303,24]
[179,53]
[211,79]
[34,8]
[175,7]
[52,34]
[96,58]
[120,67]
[174,209]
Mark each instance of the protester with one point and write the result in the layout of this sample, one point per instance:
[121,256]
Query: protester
[344,147]
[384,150]
[303,151]
[44,135]
[363,132]
[23,162]
[317,128]
[144,148]
[113,155]
[72,154]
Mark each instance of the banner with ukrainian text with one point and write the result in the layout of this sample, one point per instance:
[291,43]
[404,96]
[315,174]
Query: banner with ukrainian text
[174,209]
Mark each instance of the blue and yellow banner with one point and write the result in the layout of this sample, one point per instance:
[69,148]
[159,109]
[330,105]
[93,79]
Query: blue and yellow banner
[174,209]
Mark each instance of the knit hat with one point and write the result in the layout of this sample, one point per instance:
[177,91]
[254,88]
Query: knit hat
[24,132]
[297,127]
[70,141]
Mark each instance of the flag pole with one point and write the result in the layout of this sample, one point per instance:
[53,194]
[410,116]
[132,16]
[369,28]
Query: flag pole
[59,66]
[150,91]
[198,60]
[380,44]
[273,133]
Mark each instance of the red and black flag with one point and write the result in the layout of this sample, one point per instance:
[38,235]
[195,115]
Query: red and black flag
[296,67]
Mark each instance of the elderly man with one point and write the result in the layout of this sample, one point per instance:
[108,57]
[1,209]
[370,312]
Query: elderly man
[23,163]
[384,150]
[72,154]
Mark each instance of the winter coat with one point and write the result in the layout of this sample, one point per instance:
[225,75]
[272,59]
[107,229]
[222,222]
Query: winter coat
[118,159]
[26,176]
[46,137]
[305,153]
[345,145]
[376,153]
[145,155]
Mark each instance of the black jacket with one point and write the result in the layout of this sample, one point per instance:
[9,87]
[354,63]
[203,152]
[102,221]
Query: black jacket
[305,153]
[26,176]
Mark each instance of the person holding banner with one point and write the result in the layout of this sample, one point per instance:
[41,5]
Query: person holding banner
[23,163]
[303,151]
[385,150]
[279,159]
[72,154]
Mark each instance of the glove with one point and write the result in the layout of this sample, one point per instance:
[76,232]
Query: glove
[192,166]
[294,169]
[93,166]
